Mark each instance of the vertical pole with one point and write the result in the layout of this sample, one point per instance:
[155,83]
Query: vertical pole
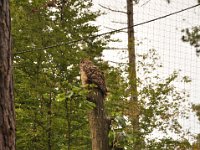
[132,77]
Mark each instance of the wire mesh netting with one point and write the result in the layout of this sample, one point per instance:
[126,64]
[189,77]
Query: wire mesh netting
[158,25]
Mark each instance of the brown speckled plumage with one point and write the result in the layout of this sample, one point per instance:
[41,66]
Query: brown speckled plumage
[91,74]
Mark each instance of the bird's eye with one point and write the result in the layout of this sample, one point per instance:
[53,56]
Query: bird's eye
[82,61]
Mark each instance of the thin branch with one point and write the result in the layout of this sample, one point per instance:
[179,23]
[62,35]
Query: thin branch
[145,3]
[115,48]
[62,9]
[119,22]
[120,63]
[118,11]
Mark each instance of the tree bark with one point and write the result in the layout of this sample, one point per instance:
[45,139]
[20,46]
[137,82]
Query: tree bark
[7,114]
[49,126]
[99,126]
[68,117]
[132,77]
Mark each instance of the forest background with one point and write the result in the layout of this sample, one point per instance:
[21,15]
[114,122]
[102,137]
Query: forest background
[49,40]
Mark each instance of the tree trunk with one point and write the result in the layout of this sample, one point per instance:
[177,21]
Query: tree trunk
[49,126]
[68,117]
[98,122]
[132,77]
[7,114]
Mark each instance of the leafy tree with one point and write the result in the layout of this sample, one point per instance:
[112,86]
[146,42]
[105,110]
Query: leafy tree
[196,145]
[162,104]
[48,41]
[50,105]
[192,36]
[197,109]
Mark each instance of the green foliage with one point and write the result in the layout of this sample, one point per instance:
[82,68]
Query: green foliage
[196,108]
[168,144]
[196,144]
[192,36]
[51,107]
[162,103]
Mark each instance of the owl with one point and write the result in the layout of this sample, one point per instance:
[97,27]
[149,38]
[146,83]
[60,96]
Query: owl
[91,74]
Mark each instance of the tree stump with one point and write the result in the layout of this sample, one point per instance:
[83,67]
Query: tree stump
[99,126]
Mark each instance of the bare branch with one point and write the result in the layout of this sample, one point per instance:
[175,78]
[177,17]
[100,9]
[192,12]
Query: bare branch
[118,11]
[119,22]
[115,48]
[120,63]
[145,3]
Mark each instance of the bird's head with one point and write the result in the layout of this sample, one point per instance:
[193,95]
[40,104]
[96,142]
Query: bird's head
[85,61]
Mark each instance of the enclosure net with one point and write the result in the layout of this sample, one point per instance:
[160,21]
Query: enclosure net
[161,26]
